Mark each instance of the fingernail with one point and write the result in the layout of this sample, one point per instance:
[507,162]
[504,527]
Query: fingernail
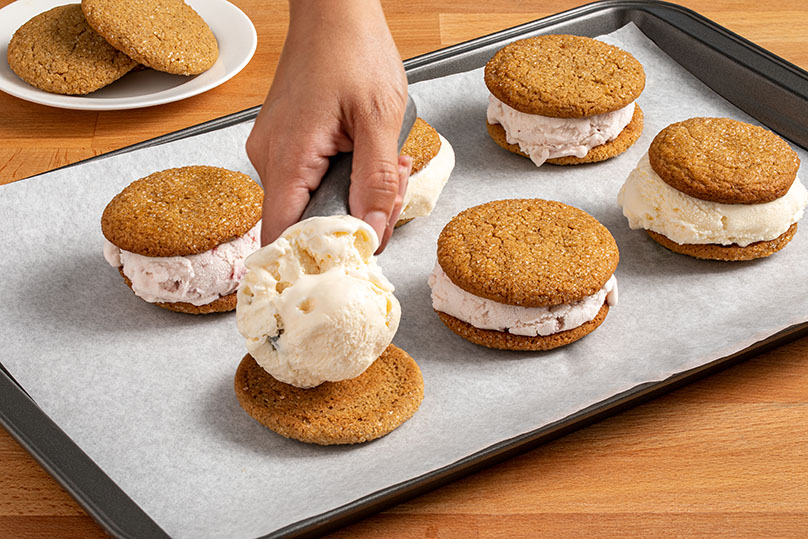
[378,220]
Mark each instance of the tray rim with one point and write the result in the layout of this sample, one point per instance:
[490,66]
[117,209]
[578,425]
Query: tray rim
[118,514]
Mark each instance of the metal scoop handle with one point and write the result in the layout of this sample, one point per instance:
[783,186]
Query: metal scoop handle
[331,196]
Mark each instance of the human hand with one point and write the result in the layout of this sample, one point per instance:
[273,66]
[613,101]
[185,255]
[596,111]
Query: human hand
[339,86]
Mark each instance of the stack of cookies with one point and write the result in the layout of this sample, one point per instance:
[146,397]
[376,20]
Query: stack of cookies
[76,49]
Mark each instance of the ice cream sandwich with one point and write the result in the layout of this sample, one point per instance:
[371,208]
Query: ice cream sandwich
[179,237]
[564,99]
[524,274]
[716,188]
[433,160]
[318,317]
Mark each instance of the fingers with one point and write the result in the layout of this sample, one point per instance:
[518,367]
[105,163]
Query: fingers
[404,170]
[376,176]
[289,170]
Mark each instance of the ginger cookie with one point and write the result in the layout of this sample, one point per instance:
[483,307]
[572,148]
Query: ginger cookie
[57,51]
[182,211]
[626,138]
[220,305]
[724,160]
[733,252]
[179,237]
[564,99]
[524,274]
[351,411]
[716,188]
[166,35]
[433,160]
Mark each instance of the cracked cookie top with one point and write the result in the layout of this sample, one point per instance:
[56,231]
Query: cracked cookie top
[422,144]
[182,211]
[564,76]
[58,52]
[527,252]
[166,35]
[724,160]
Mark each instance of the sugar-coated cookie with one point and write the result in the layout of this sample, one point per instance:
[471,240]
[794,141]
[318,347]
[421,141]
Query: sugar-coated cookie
[57,51]
[716,188]
[166,35]
[524,274]
[564,99]
[180,236]
[351,411]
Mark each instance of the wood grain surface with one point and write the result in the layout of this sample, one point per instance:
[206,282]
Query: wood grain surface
[725,456]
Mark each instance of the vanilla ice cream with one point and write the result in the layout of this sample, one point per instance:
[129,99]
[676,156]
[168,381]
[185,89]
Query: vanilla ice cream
[424,187]
[196,279]
[650,203]
[543,137]
[314,305]
[484,313]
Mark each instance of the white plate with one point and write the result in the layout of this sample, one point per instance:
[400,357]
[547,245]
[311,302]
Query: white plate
[233,30]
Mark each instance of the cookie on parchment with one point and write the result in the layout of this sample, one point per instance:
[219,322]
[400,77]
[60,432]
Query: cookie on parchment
[433,160]
[57,51]
[524,274]
[180,236]
[351,411]
[564,99]
[166,35]
[716,188]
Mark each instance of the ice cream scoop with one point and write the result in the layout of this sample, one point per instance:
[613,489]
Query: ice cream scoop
[314,305]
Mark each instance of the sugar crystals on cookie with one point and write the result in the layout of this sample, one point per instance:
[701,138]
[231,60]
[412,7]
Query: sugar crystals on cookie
[524,274]
[716,188]
[564,99]
[57,51]
[179,237]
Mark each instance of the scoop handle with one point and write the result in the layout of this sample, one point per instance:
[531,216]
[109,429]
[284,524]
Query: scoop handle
[331,197]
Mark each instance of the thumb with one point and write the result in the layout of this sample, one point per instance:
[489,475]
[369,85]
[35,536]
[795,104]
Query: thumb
[375,177]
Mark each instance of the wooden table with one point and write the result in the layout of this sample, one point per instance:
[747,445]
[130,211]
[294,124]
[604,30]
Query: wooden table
[727,455]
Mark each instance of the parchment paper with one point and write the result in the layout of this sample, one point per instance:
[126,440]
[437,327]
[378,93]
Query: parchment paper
[148,395]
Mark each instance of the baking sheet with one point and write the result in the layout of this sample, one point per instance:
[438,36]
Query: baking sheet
[148,393]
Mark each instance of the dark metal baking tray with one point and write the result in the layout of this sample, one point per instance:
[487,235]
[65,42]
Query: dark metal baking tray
[763,85]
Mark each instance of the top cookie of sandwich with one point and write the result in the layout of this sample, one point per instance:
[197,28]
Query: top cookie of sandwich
[166,35]
[564,76]
[527,252]
[724,160]
[58,52]
[422,144]
[182,211]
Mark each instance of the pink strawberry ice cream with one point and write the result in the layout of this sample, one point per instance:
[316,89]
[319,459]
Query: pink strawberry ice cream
[543,137]
[196,279]
[484,313]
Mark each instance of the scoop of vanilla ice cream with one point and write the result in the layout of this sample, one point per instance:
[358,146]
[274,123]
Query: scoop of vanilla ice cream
[543,137]
[314,305]
[424,187]
[650,203]
[484,313]
[196,279]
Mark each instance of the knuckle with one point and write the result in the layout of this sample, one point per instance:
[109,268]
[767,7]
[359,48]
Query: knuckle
[379,106]
[382,182]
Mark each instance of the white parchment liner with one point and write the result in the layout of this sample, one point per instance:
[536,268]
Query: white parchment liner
[148,394]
